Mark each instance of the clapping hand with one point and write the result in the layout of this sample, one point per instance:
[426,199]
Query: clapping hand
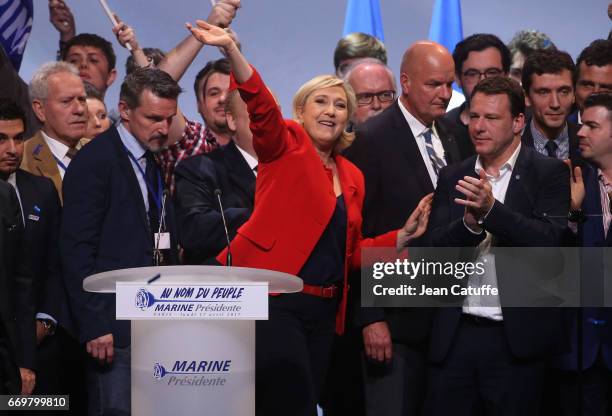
[576,186]
[479,198]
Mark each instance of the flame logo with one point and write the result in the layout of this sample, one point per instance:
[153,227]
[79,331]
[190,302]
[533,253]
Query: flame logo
[158,371]
[144,299]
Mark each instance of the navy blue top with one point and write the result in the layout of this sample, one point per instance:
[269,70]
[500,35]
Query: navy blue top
[325,266]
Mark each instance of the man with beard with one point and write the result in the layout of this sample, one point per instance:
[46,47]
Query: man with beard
[114,206]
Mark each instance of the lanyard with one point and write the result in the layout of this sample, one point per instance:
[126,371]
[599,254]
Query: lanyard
[156,195]
[60,163]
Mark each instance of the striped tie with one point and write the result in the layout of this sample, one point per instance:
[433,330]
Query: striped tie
[437,162]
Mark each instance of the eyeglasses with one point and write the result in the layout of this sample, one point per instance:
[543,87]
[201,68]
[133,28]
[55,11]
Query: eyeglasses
[366,98]
[474,74]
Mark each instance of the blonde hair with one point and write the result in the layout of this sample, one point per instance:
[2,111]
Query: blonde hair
[321,82]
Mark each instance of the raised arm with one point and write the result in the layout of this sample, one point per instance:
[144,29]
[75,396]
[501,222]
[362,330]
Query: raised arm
[127,36]
[178,59]
[209,34]
[271,135]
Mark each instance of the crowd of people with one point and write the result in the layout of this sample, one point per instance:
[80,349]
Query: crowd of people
[525,161]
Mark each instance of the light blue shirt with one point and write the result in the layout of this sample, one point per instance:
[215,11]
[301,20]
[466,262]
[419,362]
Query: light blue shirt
[539,141]
[138,151]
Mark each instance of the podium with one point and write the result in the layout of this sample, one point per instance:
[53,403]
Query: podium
[192,334]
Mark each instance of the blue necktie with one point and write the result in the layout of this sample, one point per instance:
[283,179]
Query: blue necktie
[437,162]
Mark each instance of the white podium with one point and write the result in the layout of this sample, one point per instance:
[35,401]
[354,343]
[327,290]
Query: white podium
[193,334]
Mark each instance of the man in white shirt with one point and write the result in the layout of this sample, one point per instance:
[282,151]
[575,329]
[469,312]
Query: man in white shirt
[59,102]
[486,355]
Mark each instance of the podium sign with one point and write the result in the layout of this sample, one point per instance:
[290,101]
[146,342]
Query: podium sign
[242,300]
[193,334]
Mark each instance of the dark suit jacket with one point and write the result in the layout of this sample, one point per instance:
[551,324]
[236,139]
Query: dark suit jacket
[17,326]
[533,215]
[597,322]
[452,123]
[572,130]
[42,215]
[105,227]
[197,207]
[396,179]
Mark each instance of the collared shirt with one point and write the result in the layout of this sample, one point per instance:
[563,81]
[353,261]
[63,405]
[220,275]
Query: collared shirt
[418,130]
[58,150]
[12,179]
[251,161]
[540,140]
[196,139]
[472,304]
[604,194]
[138,151]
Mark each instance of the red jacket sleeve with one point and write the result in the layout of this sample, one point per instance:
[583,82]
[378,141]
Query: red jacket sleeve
[271,137]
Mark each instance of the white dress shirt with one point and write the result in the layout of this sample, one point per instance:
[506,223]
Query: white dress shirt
[251,161]
[473,305]
[135,148]
[58,150]
[418,129]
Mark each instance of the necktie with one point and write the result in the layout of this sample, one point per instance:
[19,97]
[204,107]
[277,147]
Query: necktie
[437,162]
[71,153]
[551,148]
[151,177]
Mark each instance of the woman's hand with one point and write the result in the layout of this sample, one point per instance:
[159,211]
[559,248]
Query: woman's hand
[212,35]
[416,224]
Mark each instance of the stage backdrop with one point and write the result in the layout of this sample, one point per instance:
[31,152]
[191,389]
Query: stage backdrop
[290,41]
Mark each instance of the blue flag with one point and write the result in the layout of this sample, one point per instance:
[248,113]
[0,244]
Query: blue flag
[363,16]
[446,27]
[15,26]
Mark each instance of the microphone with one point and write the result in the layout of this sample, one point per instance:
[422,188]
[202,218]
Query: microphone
[229,253]
[162,221]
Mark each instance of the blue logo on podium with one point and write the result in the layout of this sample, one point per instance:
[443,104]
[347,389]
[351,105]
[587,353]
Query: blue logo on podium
[144,299]
[159,371]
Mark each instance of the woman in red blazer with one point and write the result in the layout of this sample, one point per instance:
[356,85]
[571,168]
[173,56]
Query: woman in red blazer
[307,222]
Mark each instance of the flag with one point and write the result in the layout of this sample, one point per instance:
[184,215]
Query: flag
[15,26]
[363,16]
[446,27]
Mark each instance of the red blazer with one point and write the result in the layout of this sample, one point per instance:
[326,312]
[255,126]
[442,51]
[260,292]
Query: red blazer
[294,196]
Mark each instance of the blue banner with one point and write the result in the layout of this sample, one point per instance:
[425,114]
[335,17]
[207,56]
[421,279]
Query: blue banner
[363,16]
[16,18]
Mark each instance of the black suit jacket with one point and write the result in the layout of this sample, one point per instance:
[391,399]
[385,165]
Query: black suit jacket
[533,215]
[17,325]
[42,215]
[197,207]
[104,227]
[396,179]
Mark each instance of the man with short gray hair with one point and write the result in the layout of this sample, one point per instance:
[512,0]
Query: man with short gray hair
[374,86]
[59,102]
[116,216]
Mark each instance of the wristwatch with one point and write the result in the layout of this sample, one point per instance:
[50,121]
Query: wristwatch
[577,216]
[49,326]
